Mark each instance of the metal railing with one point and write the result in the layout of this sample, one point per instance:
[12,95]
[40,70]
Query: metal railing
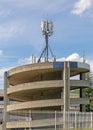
[56,120]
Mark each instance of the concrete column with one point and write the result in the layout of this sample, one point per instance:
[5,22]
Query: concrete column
[82,92]
[62,98]
[66,78]
[6,100]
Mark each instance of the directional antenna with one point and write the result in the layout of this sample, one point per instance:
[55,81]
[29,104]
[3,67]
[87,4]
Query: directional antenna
[47,31]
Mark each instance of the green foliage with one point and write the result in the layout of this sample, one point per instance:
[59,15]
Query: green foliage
[76,91]
[89,92]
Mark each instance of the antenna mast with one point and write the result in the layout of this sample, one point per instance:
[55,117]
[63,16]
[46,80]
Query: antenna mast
[84,57]
[47,31]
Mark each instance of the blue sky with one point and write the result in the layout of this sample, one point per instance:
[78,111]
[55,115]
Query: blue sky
[21,36]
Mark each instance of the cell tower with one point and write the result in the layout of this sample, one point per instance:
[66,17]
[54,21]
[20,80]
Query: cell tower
[47,31]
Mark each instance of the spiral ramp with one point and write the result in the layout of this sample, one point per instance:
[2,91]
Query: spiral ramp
[40,87]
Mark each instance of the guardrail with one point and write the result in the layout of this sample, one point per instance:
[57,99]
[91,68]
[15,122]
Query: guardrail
[46,120]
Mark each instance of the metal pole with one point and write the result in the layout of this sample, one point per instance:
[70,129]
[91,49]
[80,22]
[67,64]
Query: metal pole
[30,120]
[91,120]
[55,121]
[46,39]
[80,93]
[75,120]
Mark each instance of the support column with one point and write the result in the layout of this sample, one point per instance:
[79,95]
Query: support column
[66,78]
[62,99]
[6,100]
[82,92]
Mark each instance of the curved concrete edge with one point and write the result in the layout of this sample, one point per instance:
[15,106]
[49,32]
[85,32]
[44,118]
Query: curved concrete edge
[35,86]
[79,83]
[35,104]
[45,103]
[79,101]
[29,67]
[33,123]
[45,85]
[47,65]
[83,65]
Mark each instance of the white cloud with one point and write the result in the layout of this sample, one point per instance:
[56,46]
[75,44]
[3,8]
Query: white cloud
[91,64]
[1,52]
[24,61]
[29,60]
[4,12]
[81,6]
[45,6]
[73,57]
[29,14]
[2,77]
[9,31]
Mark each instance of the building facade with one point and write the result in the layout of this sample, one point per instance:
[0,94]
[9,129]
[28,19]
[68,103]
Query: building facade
[32,90]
